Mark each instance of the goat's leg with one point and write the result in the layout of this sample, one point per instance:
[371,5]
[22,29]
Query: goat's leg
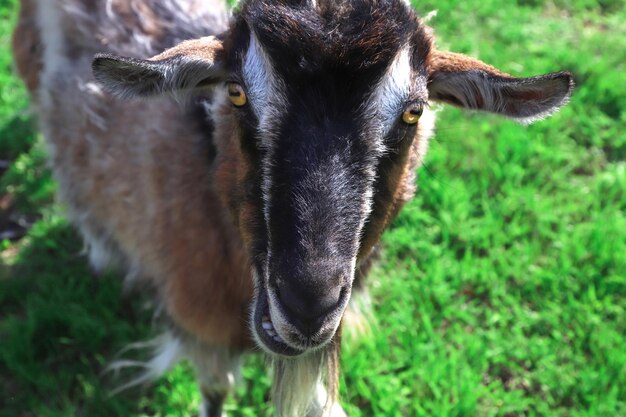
[217,369]
[212,402]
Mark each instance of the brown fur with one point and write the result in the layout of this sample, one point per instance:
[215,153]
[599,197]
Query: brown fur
[181,249]
[140,16]
[441,61]
[27,46]
[204,48]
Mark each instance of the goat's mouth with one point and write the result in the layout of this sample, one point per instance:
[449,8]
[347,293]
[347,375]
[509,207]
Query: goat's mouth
[264,330]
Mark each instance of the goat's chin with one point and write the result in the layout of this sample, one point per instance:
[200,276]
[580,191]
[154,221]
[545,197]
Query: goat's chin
[298,373]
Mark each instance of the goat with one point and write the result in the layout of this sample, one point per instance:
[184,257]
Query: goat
[254,210]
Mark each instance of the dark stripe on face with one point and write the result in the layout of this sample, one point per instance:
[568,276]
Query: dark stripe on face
[318,188]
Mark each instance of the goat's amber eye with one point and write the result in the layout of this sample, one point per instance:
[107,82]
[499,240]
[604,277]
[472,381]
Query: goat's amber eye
[412,114]
[236,95]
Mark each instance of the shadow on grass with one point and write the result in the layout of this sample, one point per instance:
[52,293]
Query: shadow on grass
[17,136]
[59,327]
[25,181]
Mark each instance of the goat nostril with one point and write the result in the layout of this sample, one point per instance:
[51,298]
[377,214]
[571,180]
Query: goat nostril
[306,309]
[310,304]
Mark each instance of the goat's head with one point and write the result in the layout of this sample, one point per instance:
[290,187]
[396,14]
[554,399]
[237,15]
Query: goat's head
[328,105]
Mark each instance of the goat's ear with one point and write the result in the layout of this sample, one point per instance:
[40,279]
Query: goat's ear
[467,82]
[191,64]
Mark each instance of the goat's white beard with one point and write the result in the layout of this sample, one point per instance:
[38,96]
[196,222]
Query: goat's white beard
[306,385]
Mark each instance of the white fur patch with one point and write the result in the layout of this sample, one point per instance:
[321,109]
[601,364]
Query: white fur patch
[258,76]
[100,256]
[167,352]
[217,368]
[393,90]
[425,128]
[324,406]
[383,108]
[430,16]
[295,384]
[260,81]
[50,22]
[265,92]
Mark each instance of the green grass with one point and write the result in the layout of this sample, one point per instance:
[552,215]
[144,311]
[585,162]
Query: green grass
[502,290]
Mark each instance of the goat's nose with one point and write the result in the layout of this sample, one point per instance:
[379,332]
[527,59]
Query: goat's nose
[306,306]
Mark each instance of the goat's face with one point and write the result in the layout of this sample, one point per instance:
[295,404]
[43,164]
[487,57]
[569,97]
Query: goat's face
[323,95]
[329,102]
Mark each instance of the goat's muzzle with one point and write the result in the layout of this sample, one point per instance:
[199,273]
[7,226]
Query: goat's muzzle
[290,320]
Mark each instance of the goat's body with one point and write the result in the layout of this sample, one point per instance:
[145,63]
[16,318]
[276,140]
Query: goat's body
[145,199]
